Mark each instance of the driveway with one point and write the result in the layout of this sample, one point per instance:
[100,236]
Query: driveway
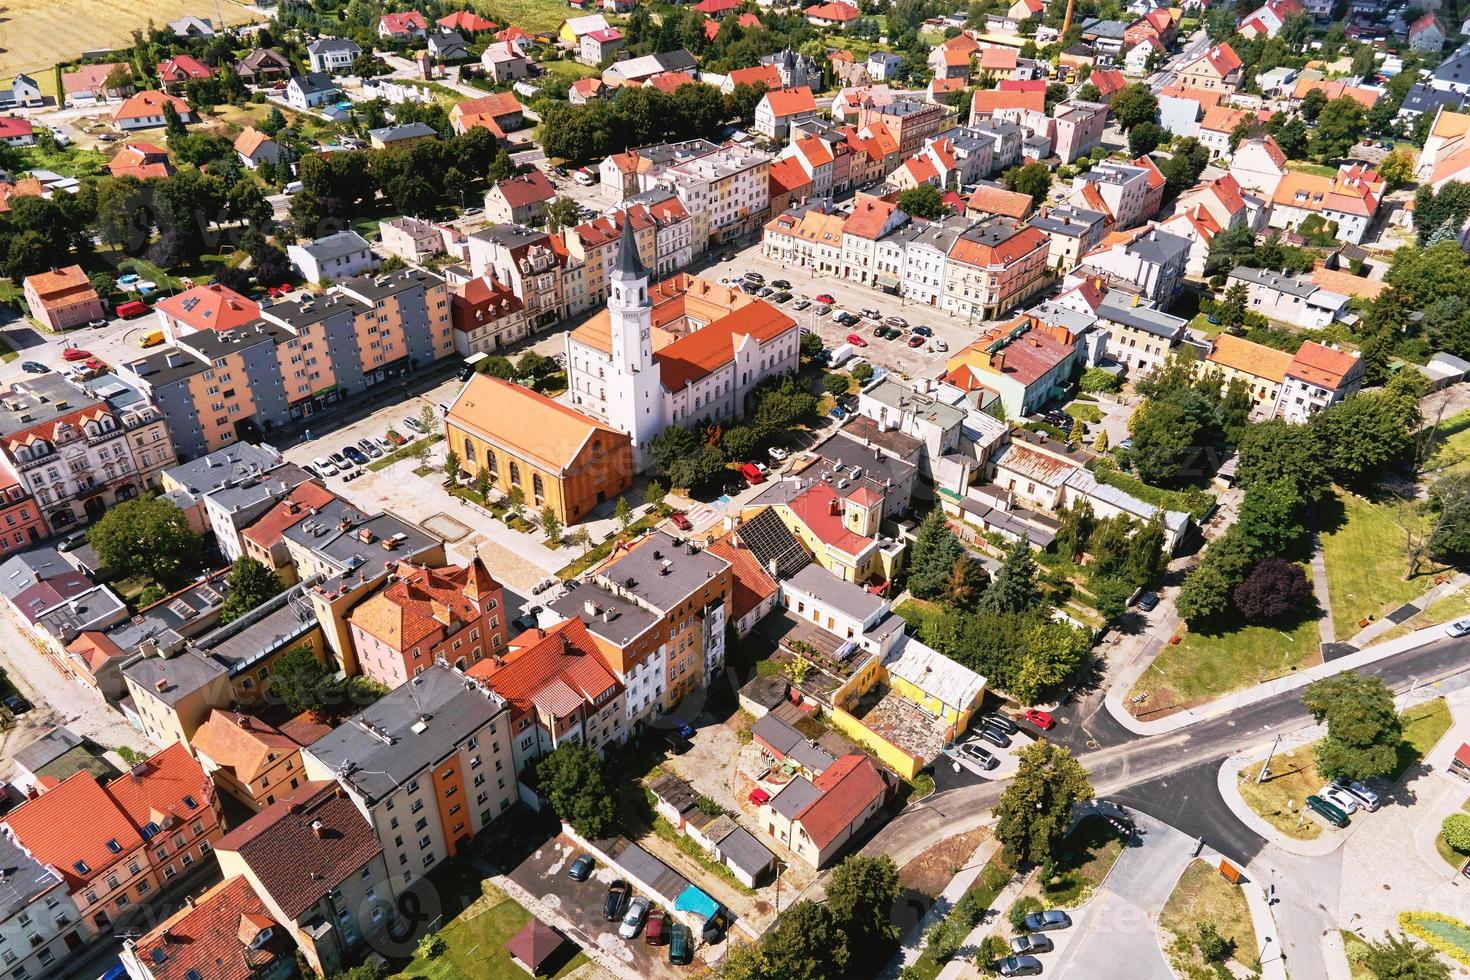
[544,875]
[1116,933]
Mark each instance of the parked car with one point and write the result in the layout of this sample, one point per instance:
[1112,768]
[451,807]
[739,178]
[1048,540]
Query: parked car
[75,354]
[1040,719]
[17,704]
[385,445]
[822,309]
[857,340]
[1019,966]
[680,521]
[131,309]
[1367,799]
[1148,601]
[355,454]
[340,461]
[684,729]
[997,720]
[871,313]
[656,932]
[880,331]
[617,897]
[777,454]
[396,438]
[801,304]
[923,331]
[1460,627]
[759,797]
[1327,811]
[581,868]
[413,424]
[34,367]
[825,298]
[780,284]
[370,447]
[998,739]
[676,743]
[681,945]
[716,925]
[916,341]
[324,466]
[1339,798]
[896,321]
[979,755]
[1047,920]
[755,277]
[752,473]
[98,323]
[72,542]
[780,296]
[1032,942]
[940,345]
[633,920]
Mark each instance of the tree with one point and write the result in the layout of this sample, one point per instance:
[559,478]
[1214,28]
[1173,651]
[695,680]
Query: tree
[1398,957]
[451,468]
[572,780]
[482,483]
[1133,104]
[1033,179]
[173,126]
[923,201]
[1096,381]
[551,524]
[654,494]
[741,441]
[1035,812]
[862,372]
[274,122]
[1145,137]
[1078,432]
[1181,171]
[1213,947]
[249,585]
[1363,730]
[300,681]
[1269,519]
[516,500]
[147,536]
[1274,588]
[811,344]
[579,537]
[562,212]
[836,385]
[1362,435]
[1278,451]
[966,582]
[1339,126]
[1230,311]
[860,896]
[1164,440]
[1014,587]
[932,556]
[1456,832]
[1398,169]
[624,513]
[429,419]
[1312,104]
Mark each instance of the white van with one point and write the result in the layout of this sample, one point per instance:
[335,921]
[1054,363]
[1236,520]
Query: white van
[292,188]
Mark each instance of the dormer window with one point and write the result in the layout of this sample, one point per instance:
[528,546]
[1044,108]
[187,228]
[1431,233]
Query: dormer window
[114,846]
[81,868]
[189,802]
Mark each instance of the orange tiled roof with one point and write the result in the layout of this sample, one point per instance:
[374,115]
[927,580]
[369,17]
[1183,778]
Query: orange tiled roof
[695,356]
[540,664]
[868,217]
[848,787]
[210,307]
[212,937]
[987,102]
[760,75]
[244,745]
[149,103]
[998,200]
[1324,366]
[423,602]
[1256,360]
[514,416]
[790,101]
[752,583]
[295,508]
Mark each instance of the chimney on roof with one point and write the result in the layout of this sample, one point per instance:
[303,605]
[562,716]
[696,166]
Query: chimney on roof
[318,829]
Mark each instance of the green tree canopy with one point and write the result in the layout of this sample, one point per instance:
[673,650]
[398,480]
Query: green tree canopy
[571,778]
[1035,811]
[923,201]
[1014,588]
[148,536]
[1363,729]
[933,554]
[249,585]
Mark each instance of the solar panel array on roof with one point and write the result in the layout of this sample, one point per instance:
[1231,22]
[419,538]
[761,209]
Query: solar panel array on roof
[769,540]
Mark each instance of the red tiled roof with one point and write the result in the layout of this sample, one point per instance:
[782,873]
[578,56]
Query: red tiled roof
[402,23]
[422,603]
[848,787]
[868,217]
[181,68]
[557,669]
[752,583]
[295,508]
[987,102]
[1321,365]
[157,789]
[1107,81]
[87,78]
[760,74]
[213,936]
[998,200]
[1017,85]
[669,81]
[1221,58]
[788,102]
[73,822]
[527,189]
[692,357]
[95,648]
[998,59]
[832,11]
[465,20]
[211,307]
[149,103]
[250,140]
[295,864]
[12,128]
[817,508]
[713,7]
[495,105]
[787,175]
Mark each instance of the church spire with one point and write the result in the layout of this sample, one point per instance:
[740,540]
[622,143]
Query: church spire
[628,265]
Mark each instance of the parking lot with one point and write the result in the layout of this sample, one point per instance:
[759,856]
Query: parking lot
[955,767]
[544,875]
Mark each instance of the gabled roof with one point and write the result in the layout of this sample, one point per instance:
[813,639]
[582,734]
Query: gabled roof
[989,101]
[556,670]
[403,23]
[210,307]
[789,102]
[869,216]
[767,75]
[149,103]
[1221,59]
[514,416]
[423,603]
[1318,364]
[250,140]
[182,67]
[466,20]
[700,353]
[244,745]
[526,189]
[225,934]
[1248,357]
[753,584]
[837,11]
[848,787]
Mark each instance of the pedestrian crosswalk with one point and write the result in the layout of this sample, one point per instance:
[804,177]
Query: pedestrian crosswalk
[702,516]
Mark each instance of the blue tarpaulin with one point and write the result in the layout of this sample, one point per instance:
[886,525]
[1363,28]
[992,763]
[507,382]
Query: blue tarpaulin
[691,899]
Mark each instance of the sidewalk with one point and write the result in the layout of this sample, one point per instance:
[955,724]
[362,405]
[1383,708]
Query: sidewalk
[1378,627]
[913,944]
[1236,700]
[963,963]
[1273,963]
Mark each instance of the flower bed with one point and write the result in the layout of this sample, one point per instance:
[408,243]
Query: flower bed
[1447,935]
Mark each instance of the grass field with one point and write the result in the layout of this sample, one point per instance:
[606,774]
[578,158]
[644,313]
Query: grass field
[529,15]
[1088,854]
[475,944]
[1294,774]
[1364,552]
[1204,665]
[39,33]
[1203,895]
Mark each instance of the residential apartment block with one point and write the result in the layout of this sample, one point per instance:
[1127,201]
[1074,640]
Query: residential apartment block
[216,388]
[726,191]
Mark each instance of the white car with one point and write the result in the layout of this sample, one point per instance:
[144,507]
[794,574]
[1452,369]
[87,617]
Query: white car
[1339,797]
[324,466]
[777,454]
[1460,627]
[633,921]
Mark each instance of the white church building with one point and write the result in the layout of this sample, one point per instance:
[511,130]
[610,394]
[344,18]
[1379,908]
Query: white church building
[675,353]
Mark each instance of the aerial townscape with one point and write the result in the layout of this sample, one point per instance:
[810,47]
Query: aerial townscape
[639,489]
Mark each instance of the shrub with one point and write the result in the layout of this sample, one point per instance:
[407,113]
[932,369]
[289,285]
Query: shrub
[1214,947]
[1456,831]
[1096,380]
[1445,934]
[432,946]
[1023,907]
[996,876]
[992,948]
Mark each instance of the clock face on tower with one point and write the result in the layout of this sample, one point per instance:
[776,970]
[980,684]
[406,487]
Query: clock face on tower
[643,334]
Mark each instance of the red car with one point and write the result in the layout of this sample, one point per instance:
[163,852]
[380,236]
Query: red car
[759,796]
[94,364]
[75,354]
[395,438]
[278,291]
[825,298]
[916,341]
[680,521]
[1040,719]
[856,340]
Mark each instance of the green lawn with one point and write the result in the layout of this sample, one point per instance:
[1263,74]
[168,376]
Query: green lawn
[601,551]
[1204,895]
[1364,550]
[404,452]
[536,16]
[476,943]
[917,612]
[1294,774]
[571,69]
[1088,854]
[69,161]
[1303,167]
[1355,949]
[1203,666]
[1452,444]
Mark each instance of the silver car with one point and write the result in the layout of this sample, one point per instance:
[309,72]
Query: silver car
[633,921]
[1340,798]
[1459,628]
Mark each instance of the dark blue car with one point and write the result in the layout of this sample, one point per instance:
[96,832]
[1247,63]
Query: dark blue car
[685,729]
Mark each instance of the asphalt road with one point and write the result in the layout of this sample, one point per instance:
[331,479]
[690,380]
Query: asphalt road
[1162,774]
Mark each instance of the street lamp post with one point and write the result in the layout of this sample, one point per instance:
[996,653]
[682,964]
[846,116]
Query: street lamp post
[1266,766]
[1262,954]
